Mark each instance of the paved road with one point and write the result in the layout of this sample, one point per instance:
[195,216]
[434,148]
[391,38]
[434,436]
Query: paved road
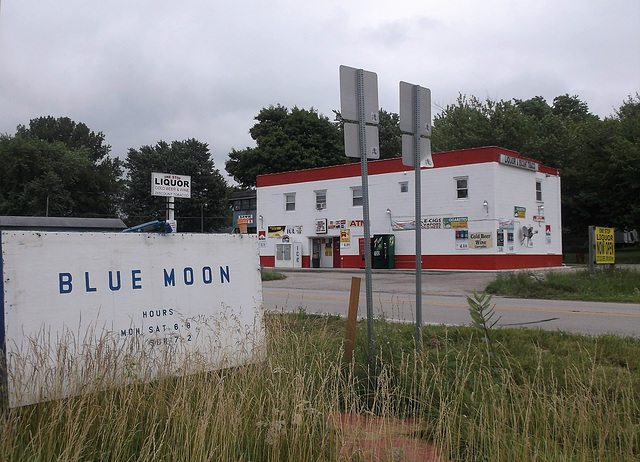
[443,301]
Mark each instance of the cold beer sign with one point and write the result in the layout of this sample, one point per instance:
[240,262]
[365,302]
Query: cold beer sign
[170,185]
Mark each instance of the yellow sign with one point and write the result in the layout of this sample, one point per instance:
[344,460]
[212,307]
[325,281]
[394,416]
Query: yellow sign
[605,246]
[345,235]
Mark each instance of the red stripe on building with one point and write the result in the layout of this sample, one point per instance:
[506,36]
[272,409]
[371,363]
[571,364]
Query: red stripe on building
[377,167]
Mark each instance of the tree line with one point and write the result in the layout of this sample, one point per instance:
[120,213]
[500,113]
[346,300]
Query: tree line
[58,167]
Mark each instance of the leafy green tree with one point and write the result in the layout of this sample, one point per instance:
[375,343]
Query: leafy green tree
[389,135]
[464,125]
[606,188]
[39,178]
[598,159]
[206,210]
[98,185]
[285,141]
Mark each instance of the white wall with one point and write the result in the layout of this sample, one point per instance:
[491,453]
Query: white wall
[502,186]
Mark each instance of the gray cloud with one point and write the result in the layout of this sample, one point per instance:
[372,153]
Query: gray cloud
[146,71]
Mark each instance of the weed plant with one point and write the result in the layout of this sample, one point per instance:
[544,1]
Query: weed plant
[272,275]
[545,396]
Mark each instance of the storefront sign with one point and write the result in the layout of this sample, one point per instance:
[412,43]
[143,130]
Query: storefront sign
[462,239]
[402,225]
[337,224]
[519,212]
[456,222]
[345,238]
[506,223]
[481,240]
[321,226]
[431,223]
[276,231]
[517,162]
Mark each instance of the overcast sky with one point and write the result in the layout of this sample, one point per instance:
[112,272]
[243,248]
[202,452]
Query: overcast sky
[141,71]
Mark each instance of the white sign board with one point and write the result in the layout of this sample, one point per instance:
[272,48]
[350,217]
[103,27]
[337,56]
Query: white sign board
[409,152]
[170,185]
[352,145]
[518,162]
[349,92]
[415,100]
[87,310]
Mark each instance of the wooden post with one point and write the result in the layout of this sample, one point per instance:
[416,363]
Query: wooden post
[351,320]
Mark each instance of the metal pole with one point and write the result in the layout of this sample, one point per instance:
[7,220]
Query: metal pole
[170,208]
[592,250]
[418,219]
[365,214]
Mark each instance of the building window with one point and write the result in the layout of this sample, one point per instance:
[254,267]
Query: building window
[462,187]
[356,192]
[290,202]
[404,186]
[539,191]
[244,204]
[321,199]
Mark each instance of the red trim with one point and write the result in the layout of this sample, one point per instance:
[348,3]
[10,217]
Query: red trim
[450,262]
[268,261]
[480,262]
[440,160]
[352,261]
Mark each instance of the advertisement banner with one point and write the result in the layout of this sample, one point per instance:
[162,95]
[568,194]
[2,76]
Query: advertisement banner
[85,311]
[432,223]
[276,231]
[456,222]
[402,225]
[345,238]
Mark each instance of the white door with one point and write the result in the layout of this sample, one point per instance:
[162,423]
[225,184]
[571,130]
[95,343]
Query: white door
[283,255]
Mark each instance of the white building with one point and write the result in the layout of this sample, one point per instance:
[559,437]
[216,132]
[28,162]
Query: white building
[484,208]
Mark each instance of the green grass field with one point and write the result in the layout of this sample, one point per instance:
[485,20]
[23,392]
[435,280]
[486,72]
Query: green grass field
[540,395]
[607,285]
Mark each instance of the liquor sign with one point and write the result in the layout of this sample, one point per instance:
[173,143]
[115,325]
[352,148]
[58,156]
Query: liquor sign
[605,245]
[170,185]
[85,311]
[519,162]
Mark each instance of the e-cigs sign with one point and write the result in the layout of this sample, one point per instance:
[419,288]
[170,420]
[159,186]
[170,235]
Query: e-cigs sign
[170,185]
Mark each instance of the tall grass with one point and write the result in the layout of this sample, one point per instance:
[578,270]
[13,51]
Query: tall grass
[543,396]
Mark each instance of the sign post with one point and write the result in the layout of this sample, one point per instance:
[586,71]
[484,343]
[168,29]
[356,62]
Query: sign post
[415,125]
[360,111]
